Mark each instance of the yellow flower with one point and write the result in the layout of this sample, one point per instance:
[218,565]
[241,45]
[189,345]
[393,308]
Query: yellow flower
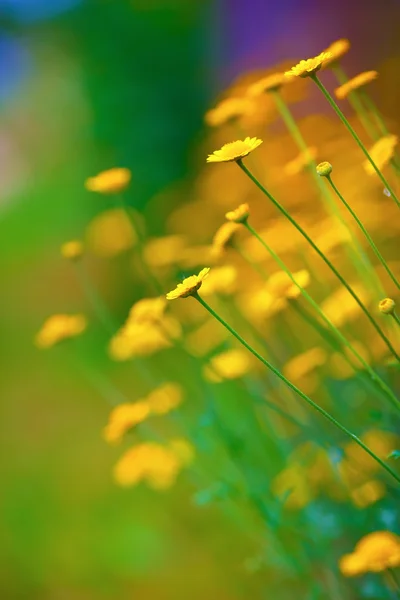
[352,565]
[234,151]
[222,280]
[381,153]
[324,169]
[60,327]
[267,84]
[341,308]
[223,236]
[227,110]
[110,233]
[205,338]
[303,160]
[337,49]
[368,493]
[72,250]
[164,251]
[387,306]
[189,286]
[231,364]
[380,550]
[164,398]
[281,286]
[292,483]
[356,82]
[153,463]
[304,363]
[148,309]
[308,67]
[138,339]
[124,417]
[111,181]
[239,215]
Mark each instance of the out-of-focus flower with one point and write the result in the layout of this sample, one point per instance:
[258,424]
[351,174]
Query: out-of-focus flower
[368,493]
[189,286]
[357,466]
[352,565]
[205,338]
[223,236]
[304,363]
[303,160]
[267,84]
[381,153]
[164,398]
[110,233]
[281,286]
[340,307]
[387,306]
[308,67]
[164,251]
[111,181]
[231,364]
[356,82]
[72,250]
[292,483]
[221,280]
[234,151]
[324,169]
[228,110]
[141,339]
[239,215]
[153,463]
[123,417]
[375,552]
[148,309]
[337,49]
[58,328]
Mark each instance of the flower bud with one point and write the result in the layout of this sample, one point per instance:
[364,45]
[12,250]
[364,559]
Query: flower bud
[324,169]
[387,306]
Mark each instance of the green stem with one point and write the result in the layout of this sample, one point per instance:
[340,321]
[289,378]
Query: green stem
[396,317]
[302,395]
[365,232]
[322,256]
[374,376]
[355,136]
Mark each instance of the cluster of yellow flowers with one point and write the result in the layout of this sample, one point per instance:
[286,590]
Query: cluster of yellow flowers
[375,552]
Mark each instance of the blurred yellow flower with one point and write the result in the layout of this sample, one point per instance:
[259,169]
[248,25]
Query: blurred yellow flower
[189,286]
[138,339]
[381,153]
[380,551]
[340,307]
[122,418]
[352,565]
[308,67]
[304,363]
[239,215]
[303,160]
[164,398]
[293,484]
[368,493]
[72,250]
[337,49]
[231,364]
[281,286]
[110,233]
[164,251]
[356,82]
[111,181]
[227,110]
[205,338]
[221,280]
[153,463]
[223,236]
[267,84]
[387,306]
[58,328]
[234,151]
[148,309]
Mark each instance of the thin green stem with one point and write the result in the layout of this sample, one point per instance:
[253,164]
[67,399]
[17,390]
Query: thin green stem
[355,137]
[322,256]
[374,376]
[302,395]
[396,317]
[365,232]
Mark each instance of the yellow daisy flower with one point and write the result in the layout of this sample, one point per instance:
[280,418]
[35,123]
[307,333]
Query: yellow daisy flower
[111,181]
[72,250]
[239,215]
[58,328]
[381,153]
[337,49]
[234,151]
[308,67]
[189,286]
[269,83]
[356,82]
[227,110]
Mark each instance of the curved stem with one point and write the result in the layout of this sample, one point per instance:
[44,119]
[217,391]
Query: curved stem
[355,136]
[374,376]
[365,232]
[302,395]
[321,255]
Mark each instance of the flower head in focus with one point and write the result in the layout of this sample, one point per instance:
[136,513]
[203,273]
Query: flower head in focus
[58,328]
[228,110]
[306,68]
[72,250]
[387,306]
[353,84]
[239,215]
[381,153]
[189,286]
[337,49]
[234,151]
[112,181]
[269,83]
[324,169]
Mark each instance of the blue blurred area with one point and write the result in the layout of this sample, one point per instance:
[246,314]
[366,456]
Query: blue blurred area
[29,11]
[15,64]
